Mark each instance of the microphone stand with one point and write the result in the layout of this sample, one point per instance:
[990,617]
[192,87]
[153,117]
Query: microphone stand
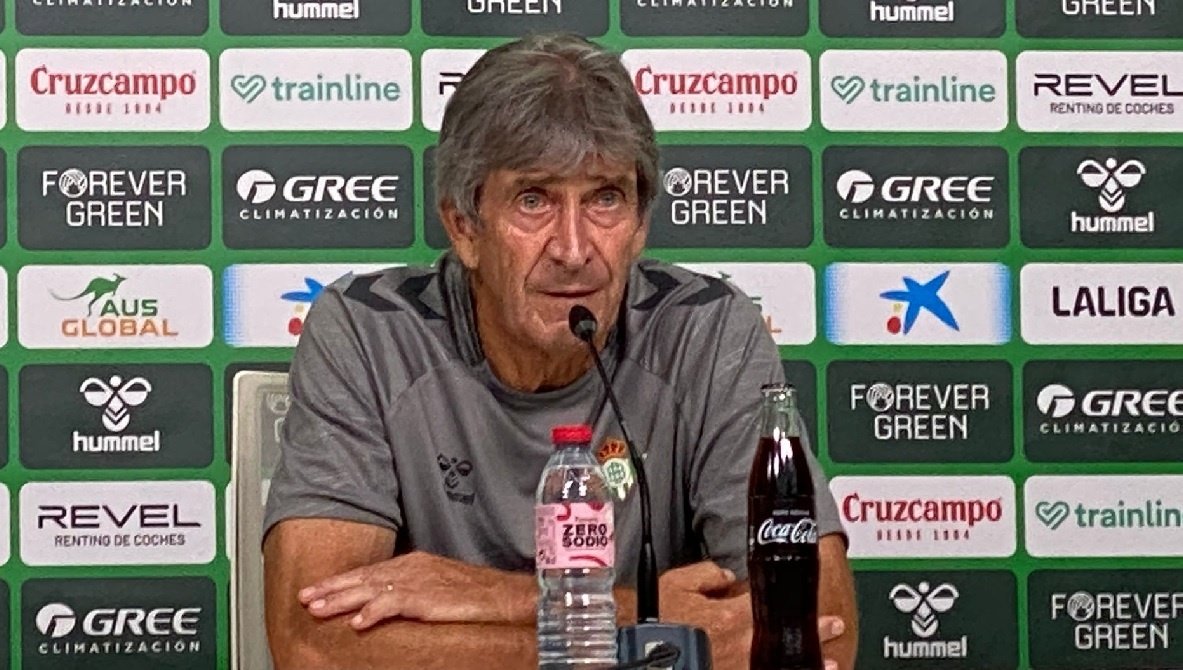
[649,643]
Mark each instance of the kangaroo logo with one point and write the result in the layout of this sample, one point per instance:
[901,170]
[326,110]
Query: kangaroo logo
[98,288]
[924,603]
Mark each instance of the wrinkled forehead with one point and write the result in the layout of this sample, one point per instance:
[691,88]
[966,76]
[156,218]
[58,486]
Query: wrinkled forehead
[593,170]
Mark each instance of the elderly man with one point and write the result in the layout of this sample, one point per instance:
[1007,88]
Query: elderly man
[399,529]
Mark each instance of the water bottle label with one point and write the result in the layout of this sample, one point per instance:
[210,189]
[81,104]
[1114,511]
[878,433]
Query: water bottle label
[574,535]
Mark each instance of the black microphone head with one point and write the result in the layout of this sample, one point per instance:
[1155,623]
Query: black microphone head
[582,322]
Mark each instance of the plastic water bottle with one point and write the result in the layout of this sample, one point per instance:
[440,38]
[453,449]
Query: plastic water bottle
[575,546]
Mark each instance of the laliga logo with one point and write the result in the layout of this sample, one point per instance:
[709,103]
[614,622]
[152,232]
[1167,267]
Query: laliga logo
[1112,179]
[924,603]
[802,532]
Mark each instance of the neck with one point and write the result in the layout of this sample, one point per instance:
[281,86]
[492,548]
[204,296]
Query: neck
[523,367]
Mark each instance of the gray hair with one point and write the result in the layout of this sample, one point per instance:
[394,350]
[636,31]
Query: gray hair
[545,101]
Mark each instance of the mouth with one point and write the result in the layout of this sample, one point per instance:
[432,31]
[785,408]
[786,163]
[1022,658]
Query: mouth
[569,294]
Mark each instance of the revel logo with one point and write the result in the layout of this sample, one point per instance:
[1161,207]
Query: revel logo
[99,90]
[316,89]
[117,523]
[1132,92]
[910,90]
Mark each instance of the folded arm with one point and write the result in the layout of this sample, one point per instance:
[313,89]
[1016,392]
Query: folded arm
[499,632]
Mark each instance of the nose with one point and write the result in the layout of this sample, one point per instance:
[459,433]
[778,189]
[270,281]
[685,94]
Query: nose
[570,245]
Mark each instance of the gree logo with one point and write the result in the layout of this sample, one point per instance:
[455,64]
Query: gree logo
[1056,401]
[56,620]
[924,603]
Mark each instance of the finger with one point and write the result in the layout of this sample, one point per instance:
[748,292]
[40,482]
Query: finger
[831,664]
[701,577]
[830,627]
[346,580]
[342,602]
[386,606]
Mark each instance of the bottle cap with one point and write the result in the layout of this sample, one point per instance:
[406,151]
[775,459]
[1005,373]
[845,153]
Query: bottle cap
[579,433]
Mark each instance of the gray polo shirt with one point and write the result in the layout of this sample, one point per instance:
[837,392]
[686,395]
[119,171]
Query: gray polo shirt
[397,421]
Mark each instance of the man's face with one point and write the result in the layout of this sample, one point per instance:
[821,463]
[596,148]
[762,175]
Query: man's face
[548,242]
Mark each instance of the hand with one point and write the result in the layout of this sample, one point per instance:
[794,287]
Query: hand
[423,587]
[708,596]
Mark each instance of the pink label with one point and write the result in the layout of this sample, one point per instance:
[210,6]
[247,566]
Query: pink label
[574,535]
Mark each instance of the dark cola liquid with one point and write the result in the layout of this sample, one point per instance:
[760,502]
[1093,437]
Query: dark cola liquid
[782,559]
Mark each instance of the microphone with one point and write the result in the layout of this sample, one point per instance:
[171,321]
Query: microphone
[649,642]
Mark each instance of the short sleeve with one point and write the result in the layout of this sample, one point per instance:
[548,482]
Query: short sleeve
[335,461]
[746,359]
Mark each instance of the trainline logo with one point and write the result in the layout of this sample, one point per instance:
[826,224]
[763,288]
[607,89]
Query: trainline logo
[1104,515]
[912,90]
[316,89]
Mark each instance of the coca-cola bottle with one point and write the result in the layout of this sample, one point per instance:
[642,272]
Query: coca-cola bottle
[782,541]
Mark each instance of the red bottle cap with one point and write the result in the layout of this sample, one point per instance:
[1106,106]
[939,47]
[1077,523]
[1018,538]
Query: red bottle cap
[580,433]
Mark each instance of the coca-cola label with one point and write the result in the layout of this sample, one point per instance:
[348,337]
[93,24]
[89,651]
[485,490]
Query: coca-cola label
[574,535]
[792,525]
[802,531]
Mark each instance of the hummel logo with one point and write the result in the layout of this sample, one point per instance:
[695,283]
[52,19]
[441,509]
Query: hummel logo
[1112,180]
[116,397]
[924,603]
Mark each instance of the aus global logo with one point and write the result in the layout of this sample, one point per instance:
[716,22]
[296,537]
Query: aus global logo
[116,316]
[104,306]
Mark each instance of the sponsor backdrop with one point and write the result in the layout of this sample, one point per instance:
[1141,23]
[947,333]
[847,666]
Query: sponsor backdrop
[964,231]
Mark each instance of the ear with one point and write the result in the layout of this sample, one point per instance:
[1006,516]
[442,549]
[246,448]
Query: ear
[462,233]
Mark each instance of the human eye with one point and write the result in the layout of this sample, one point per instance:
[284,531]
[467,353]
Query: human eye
[608,198]
[532,201]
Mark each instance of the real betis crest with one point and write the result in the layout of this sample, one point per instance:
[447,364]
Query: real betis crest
[613,458]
